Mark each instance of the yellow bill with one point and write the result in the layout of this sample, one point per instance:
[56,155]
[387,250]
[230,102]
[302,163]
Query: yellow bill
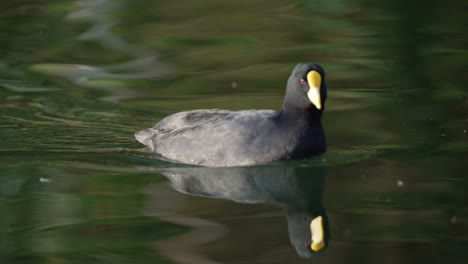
[314,80]
[316,229]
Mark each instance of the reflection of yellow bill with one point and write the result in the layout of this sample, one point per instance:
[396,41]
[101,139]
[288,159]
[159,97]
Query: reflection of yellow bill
[314,80]
[316,229]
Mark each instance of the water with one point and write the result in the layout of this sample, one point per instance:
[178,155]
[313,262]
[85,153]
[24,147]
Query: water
[78,78]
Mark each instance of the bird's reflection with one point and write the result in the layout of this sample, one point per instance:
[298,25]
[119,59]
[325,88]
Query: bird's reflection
[298,189]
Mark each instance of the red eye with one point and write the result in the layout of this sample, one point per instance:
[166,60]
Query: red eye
[303,81]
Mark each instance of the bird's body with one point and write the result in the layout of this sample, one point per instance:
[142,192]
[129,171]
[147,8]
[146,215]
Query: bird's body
[222,138]
[232,138]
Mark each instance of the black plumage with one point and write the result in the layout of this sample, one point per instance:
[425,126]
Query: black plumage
[222,138]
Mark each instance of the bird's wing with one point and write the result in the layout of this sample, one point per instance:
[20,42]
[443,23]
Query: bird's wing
[187,119]
[213,137]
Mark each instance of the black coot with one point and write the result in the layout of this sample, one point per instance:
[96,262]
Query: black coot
[221,138]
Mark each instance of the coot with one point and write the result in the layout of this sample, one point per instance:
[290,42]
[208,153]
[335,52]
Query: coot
[222,138]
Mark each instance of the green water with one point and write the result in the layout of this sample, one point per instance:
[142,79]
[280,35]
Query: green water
[78,78]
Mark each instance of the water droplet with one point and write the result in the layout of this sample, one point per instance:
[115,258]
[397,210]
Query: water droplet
[233,84]
[400,183]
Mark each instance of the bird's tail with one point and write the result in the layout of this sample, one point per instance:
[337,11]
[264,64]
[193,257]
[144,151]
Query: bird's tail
[145,137]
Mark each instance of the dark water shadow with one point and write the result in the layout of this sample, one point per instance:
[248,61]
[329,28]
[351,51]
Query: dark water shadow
[298,190]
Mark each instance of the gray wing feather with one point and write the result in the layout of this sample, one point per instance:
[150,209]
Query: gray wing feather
[214,137]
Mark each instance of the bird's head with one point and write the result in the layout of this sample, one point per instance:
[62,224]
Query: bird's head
[306,88]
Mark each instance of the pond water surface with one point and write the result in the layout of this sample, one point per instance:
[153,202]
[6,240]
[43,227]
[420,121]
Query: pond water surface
[78,78]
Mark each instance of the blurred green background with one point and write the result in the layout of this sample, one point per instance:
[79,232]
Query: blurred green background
[78,78]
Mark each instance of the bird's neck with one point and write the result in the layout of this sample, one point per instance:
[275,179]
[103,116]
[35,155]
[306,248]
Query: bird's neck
[300,116]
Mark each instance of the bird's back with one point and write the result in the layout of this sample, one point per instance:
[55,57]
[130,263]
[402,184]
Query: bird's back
[216,138]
